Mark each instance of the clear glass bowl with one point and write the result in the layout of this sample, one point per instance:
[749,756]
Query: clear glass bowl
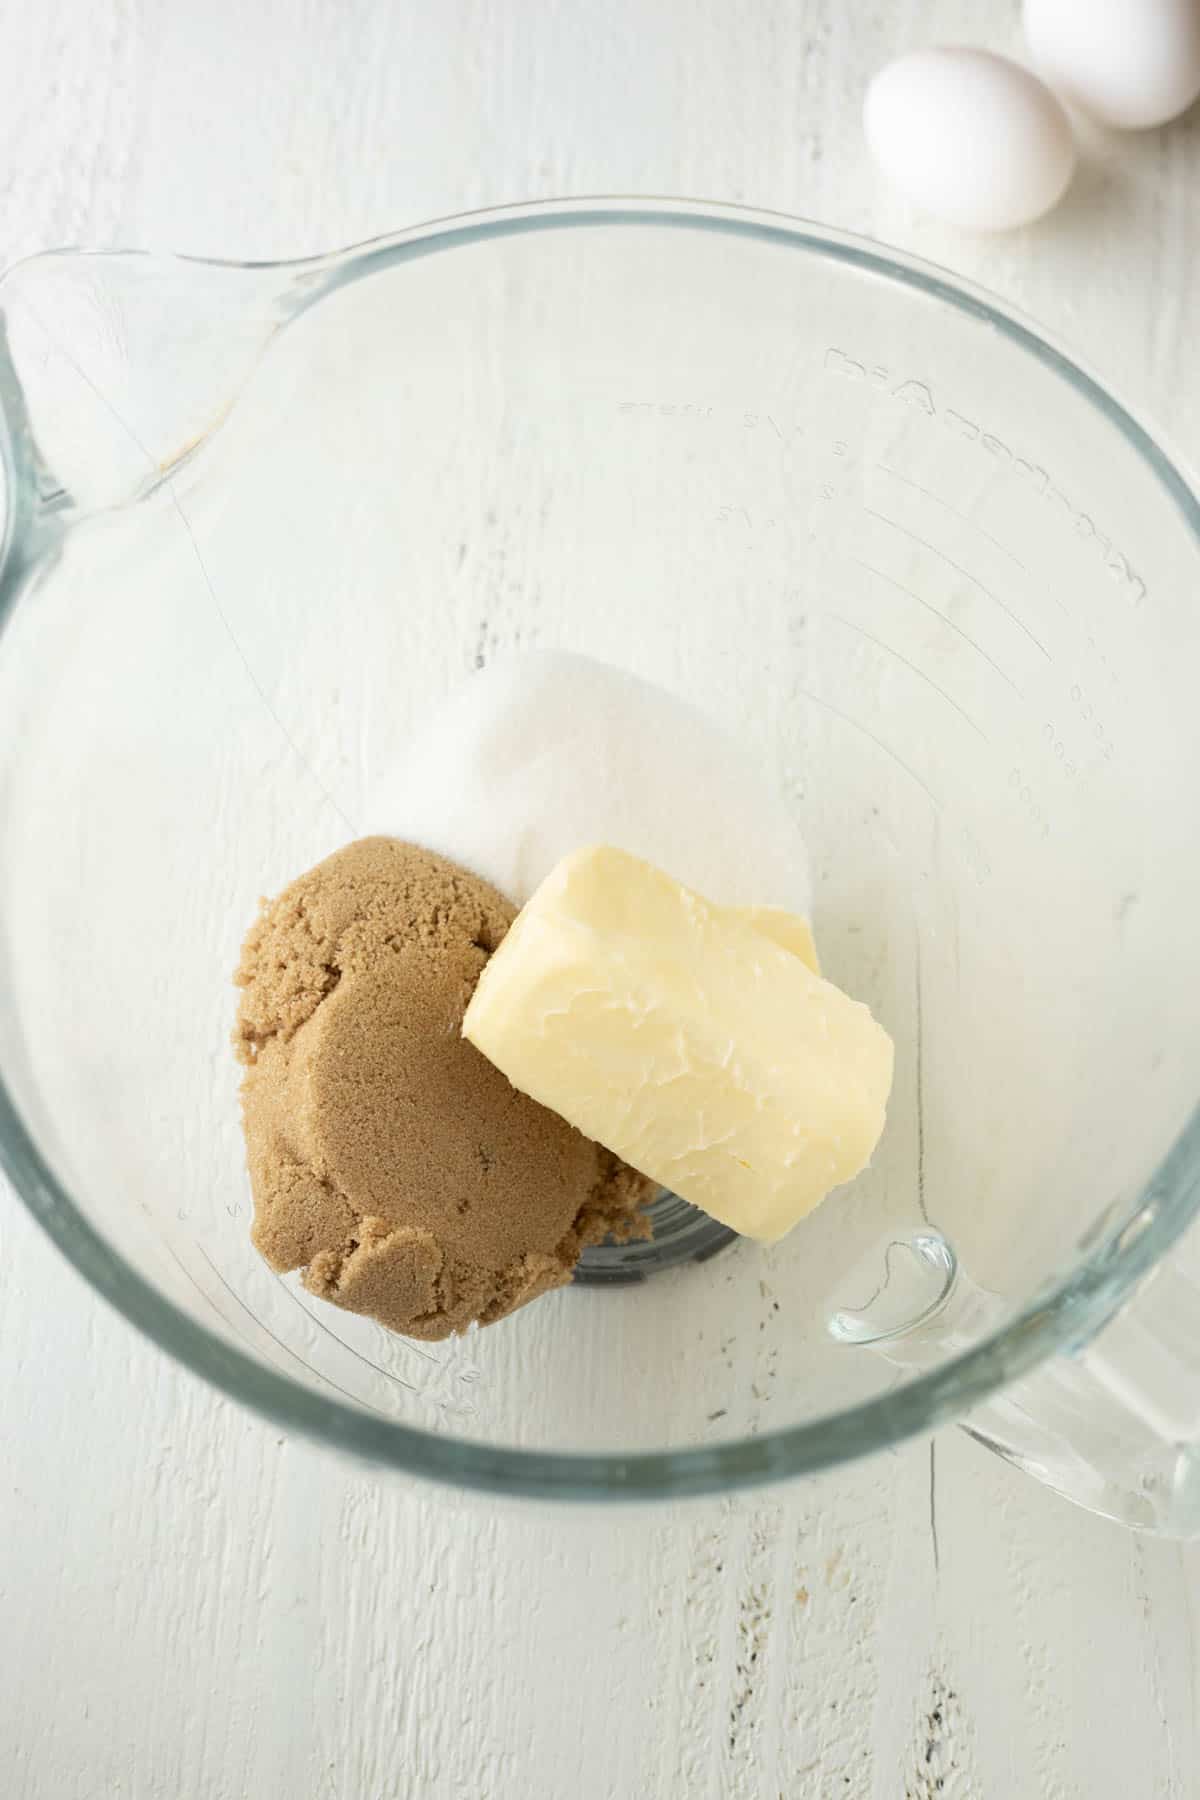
[260,519]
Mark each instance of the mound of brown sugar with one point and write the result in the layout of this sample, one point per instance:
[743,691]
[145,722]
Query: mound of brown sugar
[388,1159]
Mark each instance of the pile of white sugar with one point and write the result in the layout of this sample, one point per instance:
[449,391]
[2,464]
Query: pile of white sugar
[541,754]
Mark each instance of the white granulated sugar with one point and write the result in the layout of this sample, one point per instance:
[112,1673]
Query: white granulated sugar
[539,755]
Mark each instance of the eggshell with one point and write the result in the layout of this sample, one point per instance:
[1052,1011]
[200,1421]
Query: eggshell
[1130,63]
[970,137]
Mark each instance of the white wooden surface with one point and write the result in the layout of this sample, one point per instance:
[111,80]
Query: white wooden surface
[193,1607]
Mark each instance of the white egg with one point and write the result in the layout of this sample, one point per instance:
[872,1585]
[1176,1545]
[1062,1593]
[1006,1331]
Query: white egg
[1131,63]
[969,137]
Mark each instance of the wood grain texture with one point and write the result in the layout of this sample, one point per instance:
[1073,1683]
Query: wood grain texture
[194,1606]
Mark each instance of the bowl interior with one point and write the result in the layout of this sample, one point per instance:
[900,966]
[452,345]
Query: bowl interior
[932,582]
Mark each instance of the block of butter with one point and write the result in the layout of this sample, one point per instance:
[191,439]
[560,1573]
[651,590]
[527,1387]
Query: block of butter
[697,1042]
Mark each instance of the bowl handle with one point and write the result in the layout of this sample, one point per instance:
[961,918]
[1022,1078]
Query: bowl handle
[1112,1420]
[1115,1424]
[114,367]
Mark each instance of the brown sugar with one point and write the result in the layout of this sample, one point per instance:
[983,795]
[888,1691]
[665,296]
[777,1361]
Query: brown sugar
[389,1160]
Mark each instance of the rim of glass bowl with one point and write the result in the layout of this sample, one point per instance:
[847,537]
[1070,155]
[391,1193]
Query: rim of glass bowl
[1063,1315]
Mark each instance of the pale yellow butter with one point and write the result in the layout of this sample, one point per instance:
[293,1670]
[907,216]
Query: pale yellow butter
[784,928]
[692,1040]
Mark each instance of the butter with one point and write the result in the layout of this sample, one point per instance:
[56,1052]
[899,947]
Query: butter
[697,1042]
[784,928]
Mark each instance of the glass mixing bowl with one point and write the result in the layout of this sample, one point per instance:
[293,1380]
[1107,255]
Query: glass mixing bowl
[260,520]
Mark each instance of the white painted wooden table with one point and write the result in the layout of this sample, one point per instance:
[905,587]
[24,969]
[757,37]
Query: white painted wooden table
[196,1609]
